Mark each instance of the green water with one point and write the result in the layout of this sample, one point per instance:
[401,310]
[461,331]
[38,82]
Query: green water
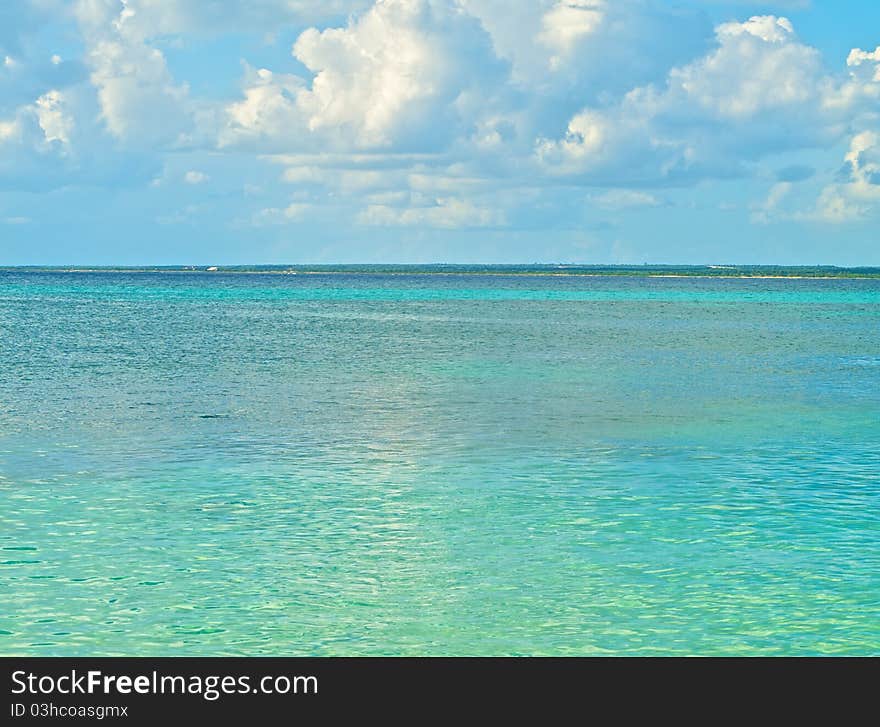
[438,464]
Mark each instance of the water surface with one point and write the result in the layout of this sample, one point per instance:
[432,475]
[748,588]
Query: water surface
[341,463]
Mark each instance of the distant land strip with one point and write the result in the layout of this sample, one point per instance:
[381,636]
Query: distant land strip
[662,271]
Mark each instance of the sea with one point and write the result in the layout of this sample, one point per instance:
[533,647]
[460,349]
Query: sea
[356,460]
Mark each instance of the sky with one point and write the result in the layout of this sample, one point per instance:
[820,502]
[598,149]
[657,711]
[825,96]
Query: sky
[215,132]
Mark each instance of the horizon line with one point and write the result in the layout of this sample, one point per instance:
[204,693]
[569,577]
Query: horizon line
[554,264]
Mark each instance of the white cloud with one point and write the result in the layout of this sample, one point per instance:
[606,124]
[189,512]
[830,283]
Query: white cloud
[367,75]
[443,113]
[858,57]
[617,199]
[304,175]
[57,139]
[152,18]
[862,88]
[568,22]
[854,198]
[397,76]
[268,114]
[859,196]
[54,117]
[294,212]
[835,206]
[8,130]
[576,51]
[195,177]
[36,142]
[767,209]
[760,91]
[768,28]
[139,100]
[47,122]
[758,66]
[444,212]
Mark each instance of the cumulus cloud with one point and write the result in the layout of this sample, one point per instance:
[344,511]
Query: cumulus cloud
[567,22]
[759,91]
[861,58]
[575,51]
[45,124]
[443,212]
[268,115]
[278,216]
[438,113]
[53,117]
[402,75]
[36,141]
[140,102]
[854,197]
[858,196]
[758,67]
[57,140]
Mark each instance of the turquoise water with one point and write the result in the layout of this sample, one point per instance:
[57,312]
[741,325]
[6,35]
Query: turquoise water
[425,464]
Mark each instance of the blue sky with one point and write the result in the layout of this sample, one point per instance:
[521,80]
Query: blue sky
[298,131]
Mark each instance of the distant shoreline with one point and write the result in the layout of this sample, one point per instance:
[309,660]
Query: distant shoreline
[744,272]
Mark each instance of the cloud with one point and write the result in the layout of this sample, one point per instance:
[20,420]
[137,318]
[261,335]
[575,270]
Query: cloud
[759,91]
[294,212]
[858,197]
[766,210]
[44,125]
[618,199]
[575,51]
[443,212]
[8,130]
[154,18]
[443,114]
[54,117]
[195,177]
[26,69]
[56,140]
[139,100]
[858,58]
[403,75]
[758,67]
[268,116]
[568,22]
[35,142]
[853,198]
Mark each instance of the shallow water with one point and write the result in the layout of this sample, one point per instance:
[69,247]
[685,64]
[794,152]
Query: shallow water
[425,464]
